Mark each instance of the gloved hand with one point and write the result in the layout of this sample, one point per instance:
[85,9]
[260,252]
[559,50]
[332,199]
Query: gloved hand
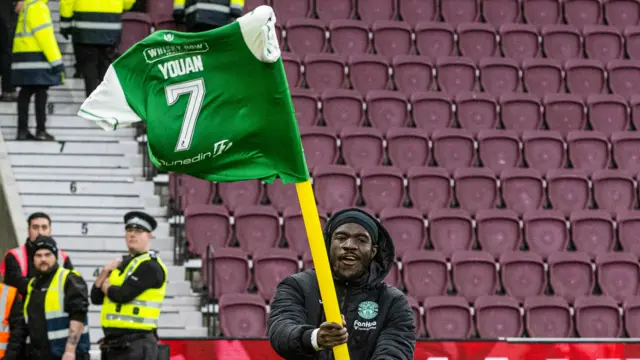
[178,16]
[66,33]
[58,70]
[235,13]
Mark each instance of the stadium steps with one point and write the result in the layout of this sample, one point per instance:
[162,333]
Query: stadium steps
[86,180]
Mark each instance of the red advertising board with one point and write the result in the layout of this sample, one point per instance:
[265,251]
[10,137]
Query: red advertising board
[203,349]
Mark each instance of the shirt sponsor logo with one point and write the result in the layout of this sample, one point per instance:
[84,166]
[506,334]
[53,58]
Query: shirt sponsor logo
[218,148]
[157,53]
[364,325]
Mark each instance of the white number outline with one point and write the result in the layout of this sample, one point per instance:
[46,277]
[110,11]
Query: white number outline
[196,91]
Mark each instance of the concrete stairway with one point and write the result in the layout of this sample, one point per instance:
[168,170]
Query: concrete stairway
[86,180]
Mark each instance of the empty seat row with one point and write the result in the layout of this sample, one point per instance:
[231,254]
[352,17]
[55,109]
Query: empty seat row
[474,189]
[496,12]
[473,40]
[450,317]
[452,75]
[446,230]
[232,270]
[497,150]
[427,189]
[449,230]
[470,274]
[472,111]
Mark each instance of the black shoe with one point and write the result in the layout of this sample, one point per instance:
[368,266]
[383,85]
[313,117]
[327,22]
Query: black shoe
[9,96]
[25,136]
[44,136]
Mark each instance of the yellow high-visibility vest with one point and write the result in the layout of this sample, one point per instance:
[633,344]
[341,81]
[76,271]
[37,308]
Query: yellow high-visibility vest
[143,312]
[97,22]
[57,319]
[35,49]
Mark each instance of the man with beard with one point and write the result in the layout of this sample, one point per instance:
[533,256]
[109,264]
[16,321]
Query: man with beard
[378,322]
[56,308]
[17,267]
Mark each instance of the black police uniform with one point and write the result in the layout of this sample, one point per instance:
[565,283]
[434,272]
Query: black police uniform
[132,344]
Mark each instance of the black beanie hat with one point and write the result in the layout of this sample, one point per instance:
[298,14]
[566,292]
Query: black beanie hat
[45,242]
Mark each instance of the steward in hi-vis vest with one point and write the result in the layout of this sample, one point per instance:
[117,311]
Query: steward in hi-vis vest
[13,331]
[56,307]
[202,15]
[96,22]
[95,27]
[36,58]
[36,65]
[131,290]
[17,267]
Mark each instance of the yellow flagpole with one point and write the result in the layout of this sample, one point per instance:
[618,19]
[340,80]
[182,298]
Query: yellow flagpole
[320,260]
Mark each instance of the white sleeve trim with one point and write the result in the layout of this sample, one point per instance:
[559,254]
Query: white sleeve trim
[108,106]
[259,33]
[314,340]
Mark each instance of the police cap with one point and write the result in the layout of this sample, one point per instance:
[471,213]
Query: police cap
[139,220]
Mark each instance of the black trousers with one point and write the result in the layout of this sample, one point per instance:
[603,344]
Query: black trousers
[24,98]
[33,354]
[93,62]
[8,20]
[77,67]
[141,348]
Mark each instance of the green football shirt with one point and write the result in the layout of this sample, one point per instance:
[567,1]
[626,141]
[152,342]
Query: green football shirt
[216,104]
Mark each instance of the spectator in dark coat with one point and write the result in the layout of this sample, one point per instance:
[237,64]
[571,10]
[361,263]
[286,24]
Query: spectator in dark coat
[379,322]
[8,17]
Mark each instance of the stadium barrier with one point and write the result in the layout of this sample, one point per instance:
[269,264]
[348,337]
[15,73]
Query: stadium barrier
[503,349]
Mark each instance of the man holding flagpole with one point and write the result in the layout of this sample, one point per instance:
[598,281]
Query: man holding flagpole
[378,321]
[217,106]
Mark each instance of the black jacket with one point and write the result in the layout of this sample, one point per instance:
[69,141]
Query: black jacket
[296,310]
[17,331]
[76,304]
[13,273]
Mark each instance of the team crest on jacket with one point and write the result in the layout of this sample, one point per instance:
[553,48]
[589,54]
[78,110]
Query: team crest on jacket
[368,310]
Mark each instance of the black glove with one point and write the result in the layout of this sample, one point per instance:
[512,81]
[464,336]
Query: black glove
[65,33]
[178,16]
[235,13]
[57,69]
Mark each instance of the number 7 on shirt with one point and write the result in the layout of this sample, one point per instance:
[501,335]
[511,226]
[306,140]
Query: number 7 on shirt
[196,90]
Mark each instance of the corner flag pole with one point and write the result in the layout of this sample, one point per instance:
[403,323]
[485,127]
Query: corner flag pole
[320,260]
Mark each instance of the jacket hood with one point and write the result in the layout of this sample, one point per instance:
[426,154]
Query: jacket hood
[384,259]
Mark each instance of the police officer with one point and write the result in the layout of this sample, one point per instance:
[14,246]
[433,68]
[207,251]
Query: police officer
[203,15]
[131,290]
